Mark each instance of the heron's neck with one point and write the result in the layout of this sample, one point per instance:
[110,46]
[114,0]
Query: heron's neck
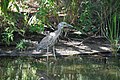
[58,31]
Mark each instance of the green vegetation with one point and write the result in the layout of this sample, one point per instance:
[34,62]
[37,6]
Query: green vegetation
[21,45]
[111,32]
[8,35]
[110,20]
[90,17]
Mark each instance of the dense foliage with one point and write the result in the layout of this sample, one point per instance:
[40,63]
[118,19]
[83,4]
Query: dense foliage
[88,16]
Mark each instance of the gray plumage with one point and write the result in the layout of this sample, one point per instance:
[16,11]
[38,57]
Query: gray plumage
[51,38]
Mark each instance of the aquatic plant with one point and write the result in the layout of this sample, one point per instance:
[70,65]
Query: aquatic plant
[111,32]
[110,23]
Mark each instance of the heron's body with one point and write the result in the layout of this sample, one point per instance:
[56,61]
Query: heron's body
[51,38]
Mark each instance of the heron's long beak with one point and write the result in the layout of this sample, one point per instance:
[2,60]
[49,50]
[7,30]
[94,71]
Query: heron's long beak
[70,25]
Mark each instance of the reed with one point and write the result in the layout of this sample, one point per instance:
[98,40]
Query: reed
[111,32]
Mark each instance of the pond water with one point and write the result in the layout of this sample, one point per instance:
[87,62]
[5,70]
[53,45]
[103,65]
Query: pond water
[69,68]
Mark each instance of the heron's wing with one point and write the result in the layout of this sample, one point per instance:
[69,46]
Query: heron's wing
[45,42]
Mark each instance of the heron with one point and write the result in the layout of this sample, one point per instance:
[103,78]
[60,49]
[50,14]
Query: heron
[50,39]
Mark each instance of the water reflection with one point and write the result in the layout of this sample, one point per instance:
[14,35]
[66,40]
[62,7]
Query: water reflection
[70,68]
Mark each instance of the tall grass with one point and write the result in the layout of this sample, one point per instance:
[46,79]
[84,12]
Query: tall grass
[110,23]
[6,5]
[111,32]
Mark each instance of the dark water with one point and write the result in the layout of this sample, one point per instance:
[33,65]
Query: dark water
[70,68]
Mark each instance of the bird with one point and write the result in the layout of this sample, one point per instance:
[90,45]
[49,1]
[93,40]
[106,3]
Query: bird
[50,39]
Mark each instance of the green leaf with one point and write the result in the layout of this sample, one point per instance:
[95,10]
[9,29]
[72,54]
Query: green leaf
[115,35]
[17,7]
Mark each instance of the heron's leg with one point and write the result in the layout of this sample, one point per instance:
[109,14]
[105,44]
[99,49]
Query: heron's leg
[54,52]
[47,52]
[65,34]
